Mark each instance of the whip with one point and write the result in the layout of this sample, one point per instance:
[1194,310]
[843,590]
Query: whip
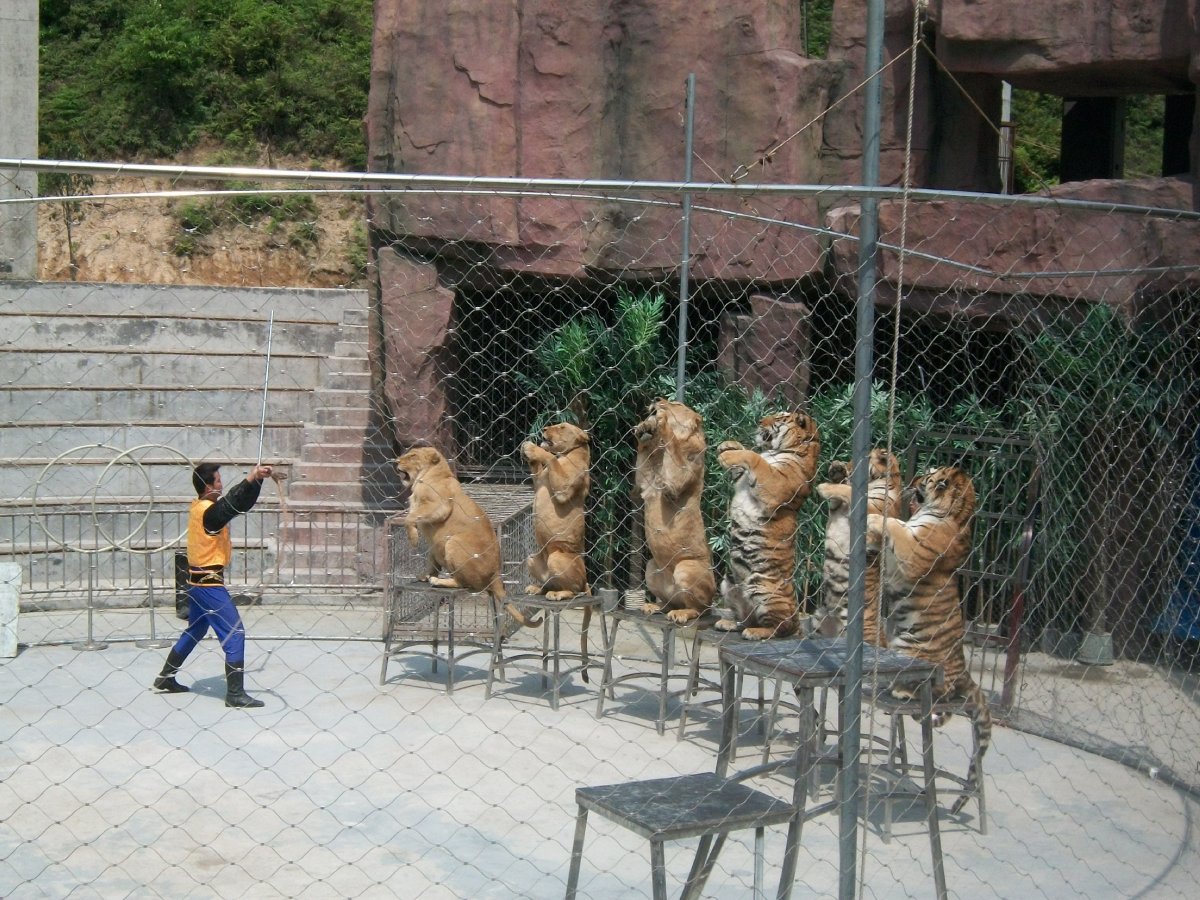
[262,424]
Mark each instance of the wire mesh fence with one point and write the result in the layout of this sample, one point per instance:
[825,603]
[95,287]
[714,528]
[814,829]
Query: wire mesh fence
[1045,347]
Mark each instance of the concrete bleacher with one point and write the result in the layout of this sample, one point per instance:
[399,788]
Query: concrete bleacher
[161,376]
[183,367]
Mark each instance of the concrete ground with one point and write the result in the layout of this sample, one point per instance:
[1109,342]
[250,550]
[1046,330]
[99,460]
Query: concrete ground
[342,787]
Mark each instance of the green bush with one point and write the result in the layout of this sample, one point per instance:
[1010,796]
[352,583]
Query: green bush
[124,78]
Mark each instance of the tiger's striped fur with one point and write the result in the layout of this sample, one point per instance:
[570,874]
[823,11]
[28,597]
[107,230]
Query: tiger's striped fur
[768,487]
[921,559]
[883,499]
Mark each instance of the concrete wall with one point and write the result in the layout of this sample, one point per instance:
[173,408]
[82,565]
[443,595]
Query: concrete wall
[18,135]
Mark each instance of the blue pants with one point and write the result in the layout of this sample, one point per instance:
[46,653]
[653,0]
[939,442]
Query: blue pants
[212,607]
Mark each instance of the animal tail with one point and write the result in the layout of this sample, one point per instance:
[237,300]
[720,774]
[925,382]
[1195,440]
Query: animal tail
[981,723]
[496,589]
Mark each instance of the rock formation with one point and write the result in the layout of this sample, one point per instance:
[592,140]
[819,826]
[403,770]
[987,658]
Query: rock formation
[595,90]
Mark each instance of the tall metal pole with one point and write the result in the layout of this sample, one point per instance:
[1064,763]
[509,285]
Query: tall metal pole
[851,713]
[688,122]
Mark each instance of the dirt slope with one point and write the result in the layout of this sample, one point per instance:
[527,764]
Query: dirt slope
[144,239]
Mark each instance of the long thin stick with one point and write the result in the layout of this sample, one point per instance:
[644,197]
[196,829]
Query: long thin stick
[262,425]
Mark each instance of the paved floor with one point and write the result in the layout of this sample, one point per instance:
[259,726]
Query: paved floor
[341,787]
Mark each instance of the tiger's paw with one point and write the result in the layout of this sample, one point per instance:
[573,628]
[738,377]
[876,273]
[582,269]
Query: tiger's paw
[902,693]
[650,609]
[532,589]
[682,616]
[758,634]
[725,625]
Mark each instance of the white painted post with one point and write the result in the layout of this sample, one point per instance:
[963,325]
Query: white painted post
[10,606]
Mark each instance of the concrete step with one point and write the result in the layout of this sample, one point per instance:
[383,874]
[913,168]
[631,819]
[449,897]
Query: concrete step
[208,440]
[351,348]
[51,333]
[348,470]
[126,367]
[357,316]
[331,492]
[348,365]
[86,298]
[346,434]
[344,415]
[321,454]
[347,398]
[227,404]
[348,382]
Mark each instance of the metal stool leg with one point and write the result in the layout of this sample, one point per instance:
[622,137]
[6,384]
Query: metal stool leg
[664,683]
[576,853]
[693,684]
[935,834]
[557,667]
[658,870]
[606,675]
[450,645]
[497,659]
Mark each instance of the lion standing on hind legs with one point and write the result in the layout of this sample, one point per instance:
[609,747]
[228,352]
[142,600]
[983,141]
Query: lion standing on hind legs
[560,467]
[669,477]
[461,539]
[561,480]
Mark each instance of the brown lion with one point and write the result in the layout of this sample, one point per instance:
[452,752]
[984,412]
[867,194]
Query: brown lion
[669,475]
[461,540]
[560,486]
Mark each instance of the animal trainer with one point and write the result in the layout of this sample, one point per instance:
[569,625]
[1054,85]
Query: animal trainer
[209,549]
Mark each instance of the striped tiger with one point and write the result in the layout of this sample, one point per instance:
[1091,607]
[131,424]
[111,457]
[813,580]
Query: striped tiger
[883,498]
[768,487]
[921,559]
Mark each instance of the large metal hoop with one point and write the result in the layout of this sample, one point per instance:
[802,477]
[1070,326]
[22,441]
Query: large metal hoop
[37,516]
[126,545]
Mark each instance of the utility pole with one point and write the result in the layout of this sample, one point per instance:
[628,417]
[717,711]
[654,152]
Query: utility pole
[19,136]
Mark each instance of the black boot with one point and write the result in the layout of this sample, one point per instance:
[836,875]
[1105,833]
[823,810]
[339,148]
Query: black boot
[235,694]
[165,683]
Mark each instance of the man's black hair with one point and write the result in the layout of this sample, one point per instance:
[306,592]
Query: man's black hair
[203,476]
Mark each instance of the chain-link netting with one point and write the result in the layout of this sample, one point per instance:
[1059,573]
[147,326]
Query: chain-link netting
[1043,348]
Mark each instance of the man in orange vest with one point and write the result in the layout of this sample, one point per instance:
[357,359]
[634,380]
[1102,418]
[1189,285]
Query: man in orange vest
[209,549]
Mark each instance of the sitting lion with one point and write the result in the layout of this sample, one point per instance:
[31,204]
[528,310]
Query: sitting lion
[560,487]
[669,475]
[460,537]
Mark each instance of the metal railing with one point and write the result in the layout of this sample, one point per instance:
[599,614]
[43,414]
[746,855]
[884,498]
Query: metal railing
[126,561]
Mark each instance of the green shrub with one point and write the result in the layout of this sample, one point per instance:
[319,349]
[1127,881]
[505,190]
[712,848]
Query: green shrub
[124,78]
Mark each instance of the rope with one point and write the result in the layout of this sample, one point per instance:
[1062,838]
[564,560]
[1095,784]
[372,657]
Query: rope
[1045,188]
[743,170]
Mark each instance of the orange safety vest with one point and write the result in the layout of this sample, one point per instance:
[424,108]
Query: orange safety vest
[208,554]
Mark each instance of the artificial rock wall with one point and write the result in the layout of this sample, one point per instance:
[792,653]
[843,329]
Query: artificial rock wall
[593,89]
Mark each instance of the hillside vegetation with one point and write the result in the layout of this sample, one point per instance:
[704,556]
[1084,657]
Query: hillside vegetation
[133,79]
